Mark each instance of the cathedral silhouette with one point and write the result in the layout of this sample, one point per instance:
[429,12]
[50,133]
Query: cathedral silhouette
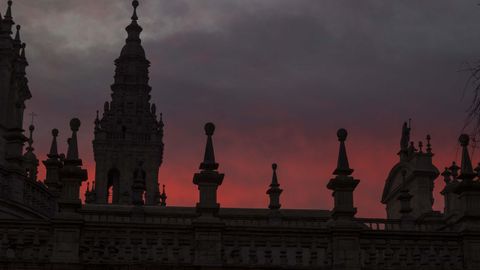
[126,223]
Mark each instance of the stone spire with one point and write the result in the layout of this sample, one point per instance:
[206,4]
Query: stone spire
[209,157]
[274,191]
[53,147]
[71,177]
[342,164]
[8,19]
[53,164]
[208,179]
[13,95]
[343,186]
[466,168]
[72,152]
[128,130]
[132,54]
[468,191]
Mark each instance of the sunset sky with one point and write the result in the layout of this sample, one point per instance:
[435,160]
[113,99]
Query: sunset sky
[277,77]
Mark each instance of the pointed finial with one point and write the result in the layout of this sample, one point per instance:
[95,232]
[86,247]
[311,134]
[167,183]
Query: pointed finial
[72,153]
[274,191]
[209,163]
[135,5]
[420,146]
[343,167]
[466,170]
[8,13]
[88,187]
[274,176]
[53,148]
[17,34]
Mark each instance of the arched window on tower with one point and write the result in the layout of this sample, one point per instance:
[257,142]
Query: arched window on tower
[113,188]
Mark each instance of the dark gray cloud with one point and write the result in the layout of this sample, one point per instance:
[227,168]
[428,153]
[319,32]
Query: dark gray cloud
[277,76]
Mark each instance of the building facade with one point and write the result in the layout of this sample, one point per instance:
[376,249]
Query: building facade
[125,222]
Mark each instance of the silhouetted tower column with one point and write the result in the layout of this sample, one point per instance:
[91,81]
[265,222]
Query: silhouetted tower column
[208,226]
[345,230]
[274,191]
[343,184]
[468,190]
[14,91]
[71,176]
[128,131]
[208,179]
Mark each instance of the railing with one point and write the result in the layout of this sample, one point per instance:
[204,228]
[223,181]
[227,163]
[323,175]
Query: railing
[380,224]
[25,243]
[279,222]
[36,196]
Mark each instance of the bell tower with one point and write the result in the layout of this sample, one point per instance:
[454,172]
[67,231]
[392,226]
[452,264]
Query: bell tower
[128,132]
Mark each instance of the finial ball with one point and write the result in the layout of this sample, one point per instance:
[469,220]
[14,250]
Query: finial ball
[74,124]
[135,3]
[209,128]
[342,134]
[464,139]
[54,132]
[9,3]
[31,128]
[18,27]
[274,166]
